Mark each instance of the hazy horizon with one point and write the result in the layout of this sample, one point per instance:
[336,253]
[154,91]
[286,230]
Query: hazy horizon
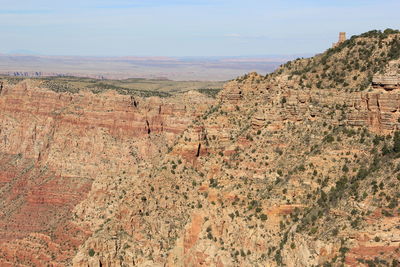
[25,52]
[173,68]
[194,28]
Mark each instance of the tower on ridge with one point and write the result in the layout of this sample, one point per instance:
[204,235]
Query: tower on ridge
[342,38]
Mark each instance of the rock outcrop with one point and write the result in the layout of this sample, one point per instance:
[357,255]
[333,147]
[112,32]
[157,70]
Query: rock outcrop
[390,80]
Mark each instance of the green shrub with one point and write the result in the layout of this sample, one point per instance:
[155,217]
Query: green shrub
[91,252]
[329,138]
[396,142]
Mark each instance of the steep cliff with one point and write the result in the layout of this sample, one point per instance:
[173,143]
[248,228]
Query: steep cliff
[268,176]
[55,147]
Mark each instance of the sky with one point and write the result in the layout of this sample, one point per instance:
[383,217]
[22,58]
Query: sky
[187,28]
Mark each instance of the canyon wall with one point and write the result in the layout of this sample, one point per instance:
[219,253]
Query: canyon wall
[231,190]
[54,146]
[116,180]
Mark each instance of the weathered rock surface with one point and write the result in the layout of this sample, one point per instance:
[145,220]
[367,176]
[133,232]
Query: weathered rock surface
[54,146]
[390,80]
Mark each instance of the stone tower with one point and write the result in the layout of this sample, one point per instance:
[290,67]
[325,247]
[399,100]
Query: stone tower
[342,38]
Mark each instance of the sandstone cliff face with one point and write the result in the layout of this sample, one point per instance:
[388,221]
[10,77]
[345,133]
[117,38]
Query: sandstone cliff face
[243,187]
[252,120]
[390,79]
[54,146]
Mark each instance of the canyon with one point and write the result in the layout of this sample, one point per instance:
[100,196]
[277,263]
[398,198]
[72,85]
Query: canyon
[273,171]
[54,145]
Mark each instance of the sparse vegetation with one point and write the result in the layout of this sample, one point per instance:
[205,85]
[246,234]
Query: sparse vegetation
[349,66]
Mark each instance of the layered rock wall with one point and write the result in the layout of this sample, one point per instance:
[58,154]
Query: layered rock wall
[54,146]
